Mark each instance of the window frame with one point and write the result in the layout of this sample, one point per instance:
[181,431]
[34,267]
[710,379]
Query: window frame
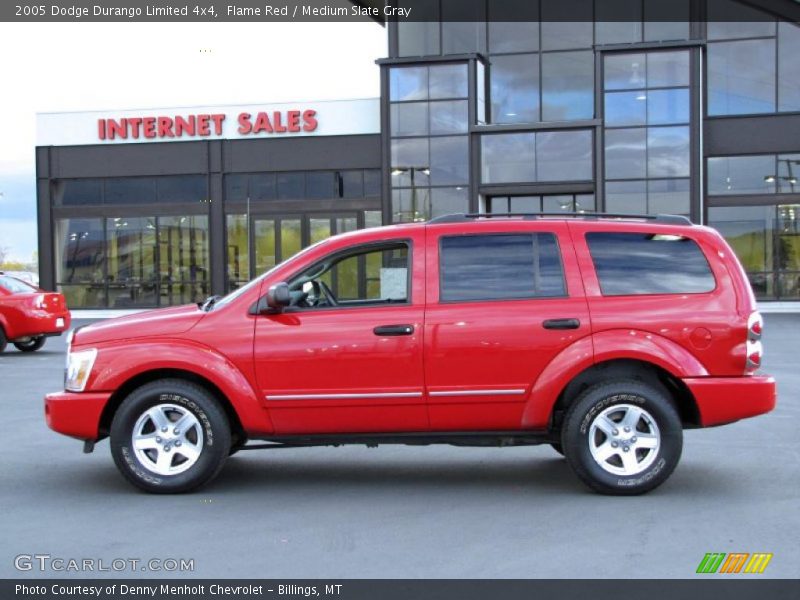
[530,234]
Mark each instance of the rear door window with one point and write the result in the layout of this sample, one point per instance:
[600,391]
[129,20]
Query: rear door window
[647,263]
[500,267]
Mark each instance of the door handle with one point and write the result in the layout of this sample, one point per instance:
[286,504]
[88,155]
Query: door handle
[561,324]
[387,330]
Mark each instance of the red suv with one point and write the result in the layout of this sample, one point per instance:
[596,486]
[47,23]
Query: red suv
[602,335]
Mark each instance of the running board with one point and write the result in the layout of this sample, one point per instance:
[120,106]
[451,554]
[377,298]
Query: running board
[482,439]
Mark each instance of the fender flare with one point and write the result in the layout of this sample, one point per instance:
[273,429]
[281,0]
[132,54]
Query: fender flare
[614,344]
[125,360]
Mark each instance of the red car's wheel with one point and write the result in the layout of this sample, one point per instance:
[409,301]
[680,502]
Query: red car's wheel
[32,345]
[3,340]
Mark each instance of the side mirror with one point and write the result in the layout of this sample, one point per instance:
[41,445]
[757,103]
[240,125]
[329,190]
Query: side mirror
[278,297]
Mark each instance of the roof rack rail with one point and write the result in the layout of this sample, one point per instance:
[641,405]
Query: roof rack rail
[462,217]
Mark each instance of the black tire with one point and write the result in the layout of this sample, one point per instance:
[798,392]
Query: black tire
[557,447]
[3,340]
[186,398]
[660,421]
[32,345]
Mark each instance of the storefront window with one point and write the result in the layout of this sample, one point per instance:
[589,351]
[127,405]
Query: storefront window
[183,259]
[132,248]
[748,175]
[767,241]
[238,253]
[80,261]
[123,262]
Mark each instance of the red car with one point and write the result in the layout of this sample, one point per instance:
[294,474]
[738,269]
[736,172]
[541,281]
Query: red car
[28,315]
[604,337]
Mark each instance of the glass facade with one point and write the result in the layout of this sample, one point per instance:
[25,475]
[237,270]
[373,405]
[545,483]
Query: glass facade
[132,262]
[767,241]
[647,115]
[589,111]
[429,145]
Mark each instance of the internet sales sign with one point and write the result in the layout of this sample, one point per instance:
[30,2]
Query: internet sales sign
[202,125]
[183,124]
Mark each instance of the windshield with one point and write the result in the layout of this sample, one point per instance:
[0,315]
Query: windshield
[15,286]
[257,281]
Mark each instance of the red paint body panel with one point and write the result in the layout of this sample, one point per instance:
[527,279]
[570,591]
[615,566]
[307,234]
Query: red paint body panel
[468,366]
[726,399]
[32,313]
[75,415]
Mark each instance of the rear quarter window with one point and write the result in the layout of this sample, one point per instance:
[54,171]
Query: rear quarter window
[647,263]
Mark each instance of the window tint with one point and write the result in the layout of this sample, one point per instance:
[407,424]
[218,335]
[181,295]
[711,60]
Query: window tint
[500,267]
[644,263]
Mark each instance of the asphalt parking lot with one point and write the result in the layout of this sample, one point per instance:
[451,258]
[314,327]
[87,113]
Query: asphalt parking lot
[430,512]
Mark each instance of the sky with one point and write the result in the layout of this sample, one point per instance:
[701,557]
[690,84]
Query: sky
[53,67]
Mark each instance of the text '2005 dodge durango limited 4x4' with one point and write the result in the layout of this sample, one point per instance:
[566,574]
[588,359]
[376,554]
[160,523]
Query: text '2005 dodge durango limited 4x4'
[604,337]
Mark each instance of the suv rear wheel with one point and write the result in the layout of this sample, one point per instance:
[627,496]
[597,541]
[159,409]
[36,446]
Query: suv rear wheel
[170,436]
[622,437]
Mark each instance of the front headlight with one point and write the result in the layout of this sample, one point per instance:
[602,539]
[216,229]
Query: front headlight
[79,367]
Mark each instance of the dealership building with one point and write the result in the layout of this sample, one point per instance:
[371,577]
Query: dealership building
[480,110]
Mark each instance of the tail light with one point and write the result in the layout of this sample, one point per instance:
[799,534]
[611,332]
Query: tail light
[755,349]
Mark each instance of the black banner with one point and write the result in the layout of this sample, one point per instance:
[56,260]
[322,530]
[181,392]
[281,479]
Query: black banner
[388,589]
[399,10]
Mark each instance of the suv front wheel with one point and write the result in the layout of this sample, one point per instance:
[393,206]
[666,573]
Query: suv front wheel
[170,436]
[622,437]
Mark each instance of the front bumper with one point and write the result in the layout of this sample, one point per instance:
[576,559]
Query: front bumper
[76,415]
[723,400]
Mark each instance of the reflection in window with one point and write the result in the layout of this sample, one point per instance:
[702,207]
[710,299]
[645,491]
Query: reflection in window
[409,205]
[426,160]
[759,174]
[741,77]
[132,248]
[419,37]
[80,255]
[463,26]
[515,88]
[238,251]
[750,232]
[642,263]
[646,117]
[541,156]
[788,67]
[500,267]
[567,85]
